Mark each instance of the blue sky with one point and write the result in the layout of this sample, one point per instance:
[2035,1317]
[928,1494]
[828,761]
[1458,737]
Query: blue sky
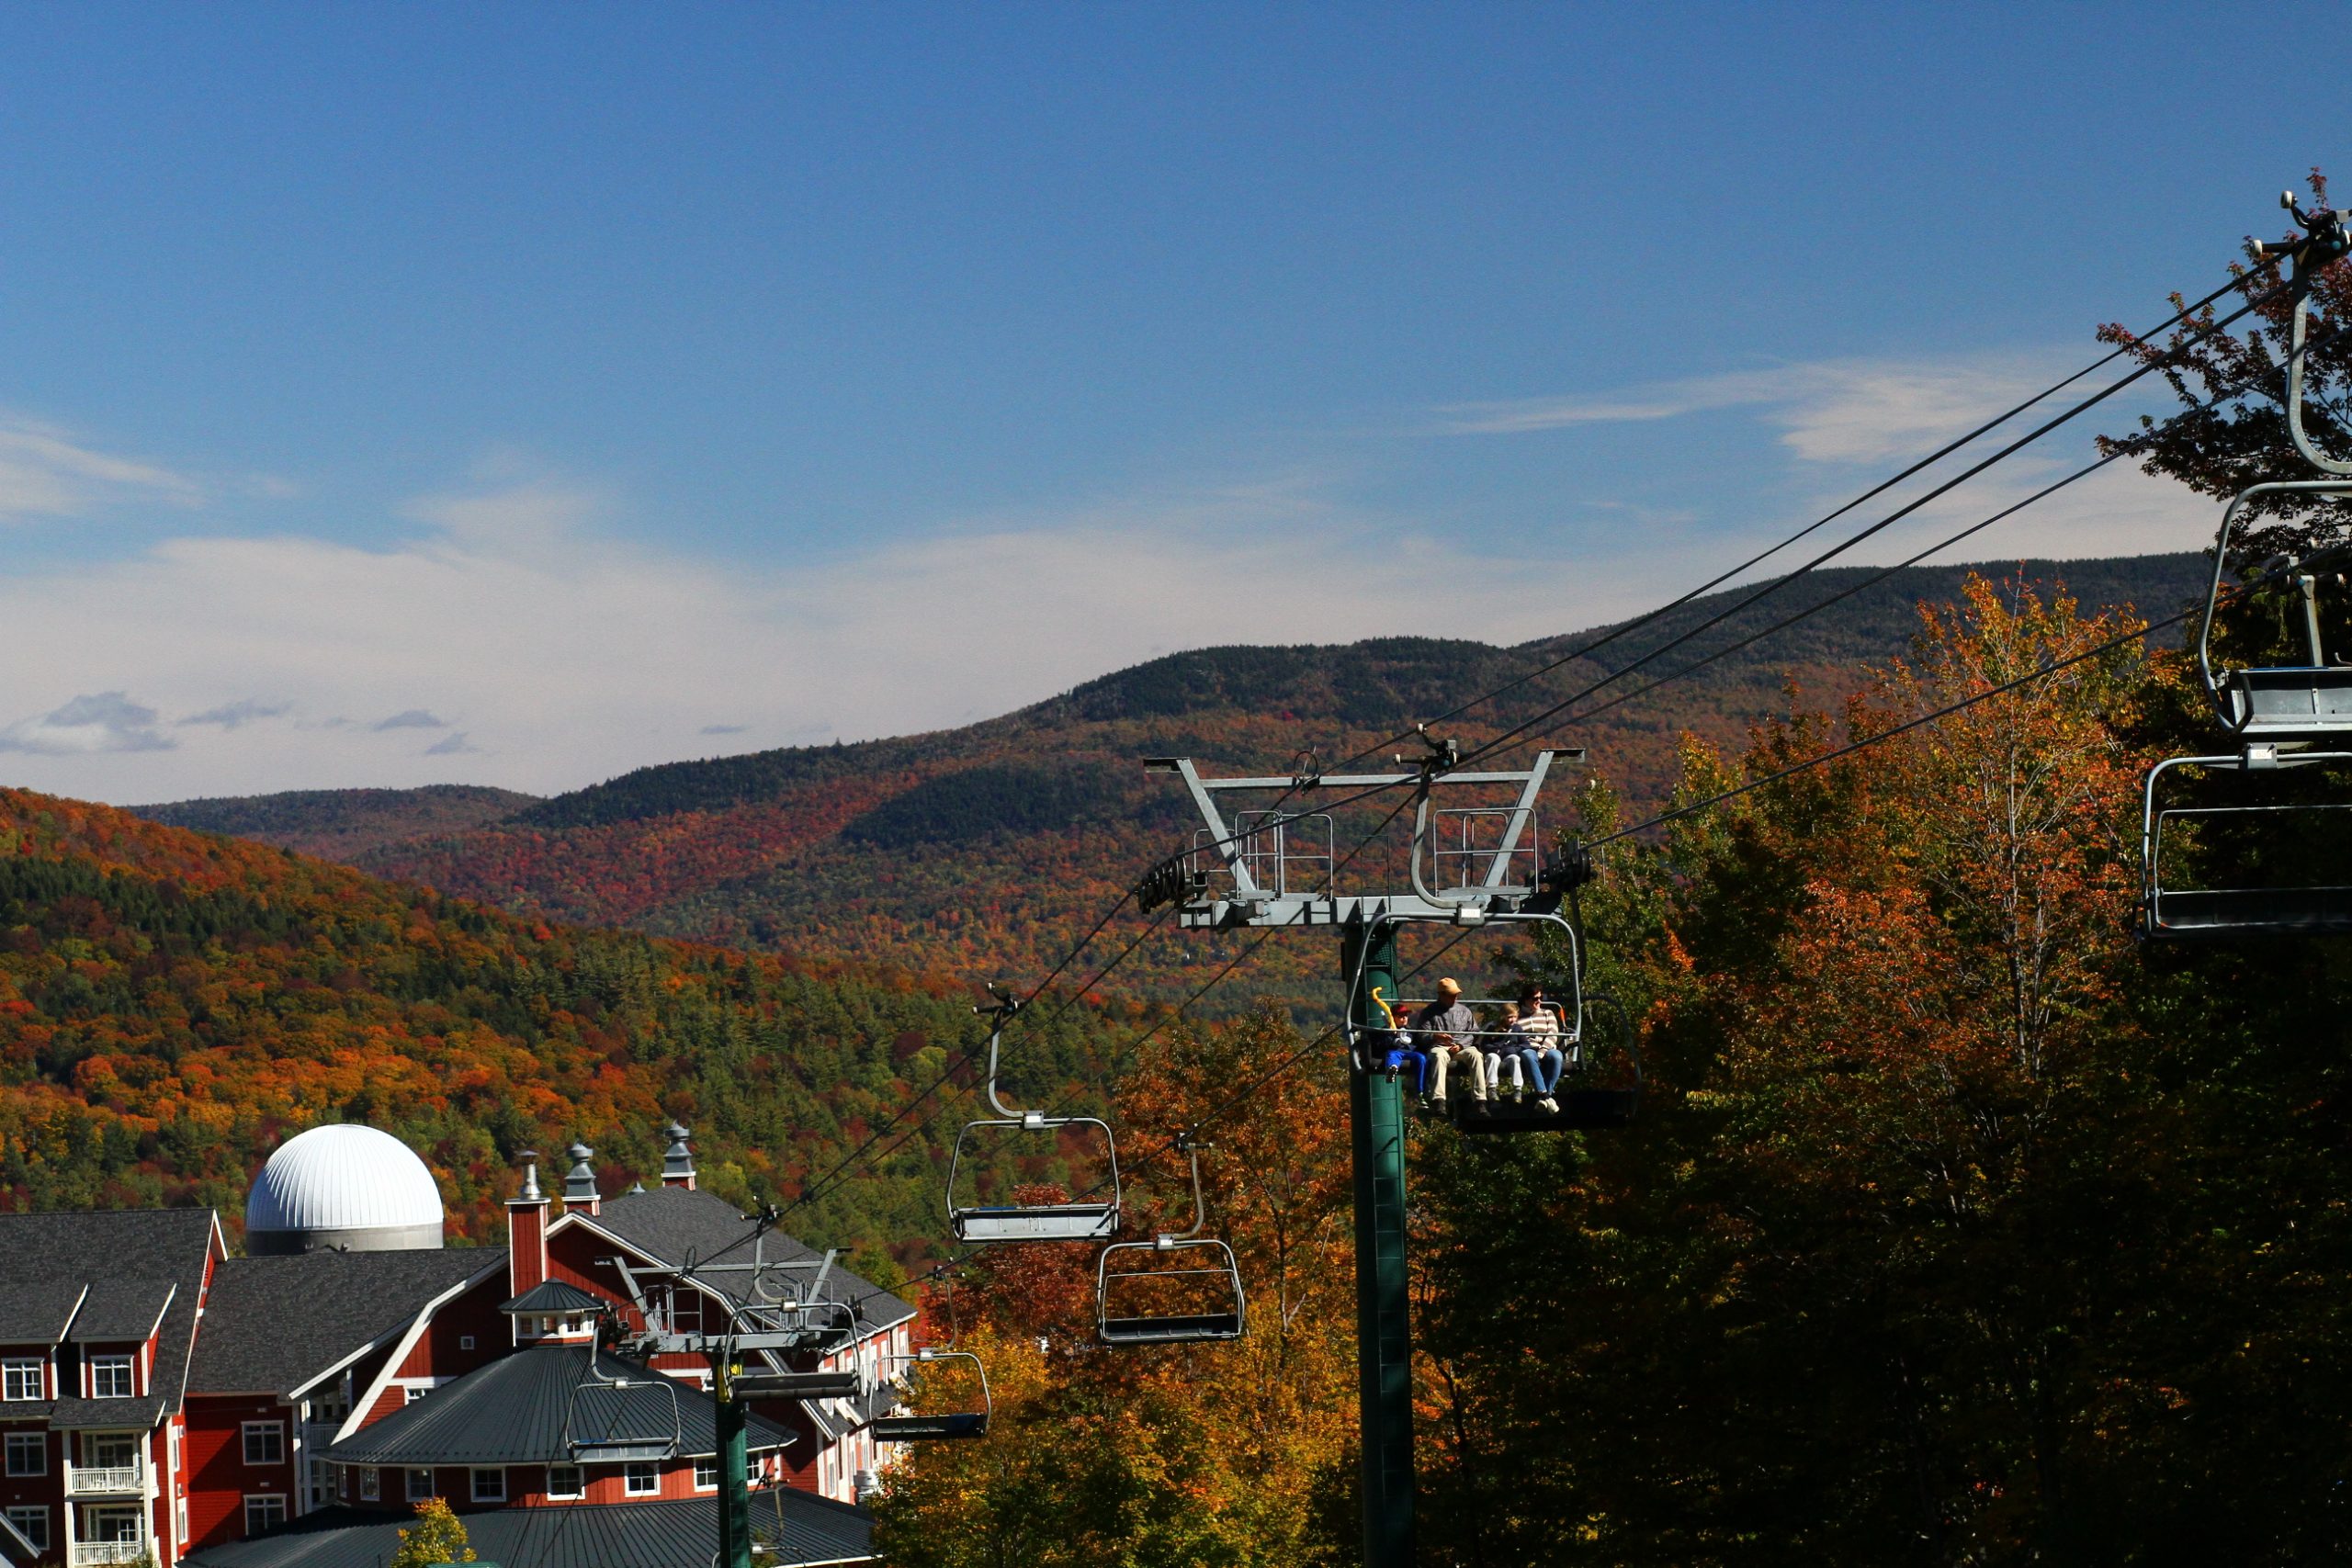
[585,387]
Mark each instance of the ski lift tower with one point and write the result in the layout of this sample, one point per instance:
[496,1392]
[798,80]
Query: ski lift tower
[1275,867]
[788,1305]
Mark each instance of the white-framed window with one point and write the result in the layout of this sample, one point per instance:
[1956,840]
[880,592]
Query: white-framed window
[29,1453]
[371,1484]
[413,1393]
[707,1473]
[109,1377]
[32,1523]
[20,1377]
[420,1485]
[490,1485]
[264,1443]
[641,1478]
[563,1480]
[179,1522]
[264,1511]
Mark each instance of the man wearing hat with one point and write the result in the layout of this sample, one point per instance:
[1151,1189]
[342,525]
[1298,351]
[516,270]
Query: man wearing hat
[1448,1030]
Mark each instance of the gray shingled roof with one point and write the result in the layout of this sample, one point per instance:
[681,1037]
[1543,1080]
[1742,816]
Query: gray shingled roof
[117,1246]
[555,1296]
[117,1310]
[276,1324]
[35,1312]
[804,1530]
[675,1224]
[515,1410]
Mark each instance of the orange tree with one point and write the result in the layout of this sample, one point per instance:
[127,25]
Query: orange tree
[1956,1229]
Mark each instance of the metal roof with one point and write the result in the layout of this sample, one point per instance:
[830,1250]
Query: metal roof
[555,1296]
[676,1225]
[276,1324]
[515,1410]
[805,1531]
[343,1177]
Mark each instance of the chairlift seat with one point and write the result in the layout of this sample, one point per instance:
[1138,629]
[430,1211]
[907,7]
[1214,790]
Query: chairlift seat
[1171,1330]
[799,1385]
[2289,702]
[2231,912]
[930,1429]
[1044,1222]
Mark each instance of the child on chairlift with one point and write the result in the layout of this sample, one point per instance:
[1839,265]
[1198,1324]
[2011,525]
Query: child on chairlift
[1400,1051]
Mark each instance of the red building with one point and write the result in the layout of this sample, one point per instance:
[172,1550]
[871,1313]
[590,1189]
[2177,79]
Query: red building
[288,1409]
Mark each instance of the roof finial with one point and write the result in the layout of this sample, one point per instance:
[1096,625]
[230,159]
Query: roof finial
[580,1184]
[678,1162]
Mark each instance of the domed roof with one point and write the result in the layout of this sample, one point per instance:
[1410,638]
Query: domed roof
[344,1186]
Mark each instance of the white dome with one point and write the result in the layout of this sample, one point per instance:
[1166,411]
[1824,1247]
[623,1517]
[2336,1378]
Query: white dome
[343,1186]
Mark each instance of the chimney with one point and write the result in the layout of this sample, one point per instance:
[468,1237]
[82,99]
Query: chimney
[678,1163]
[580,1186]
[526,1230]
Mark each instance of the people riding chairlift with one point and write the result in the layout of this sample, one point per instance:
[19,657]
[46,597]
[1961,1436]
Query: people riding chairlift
[1448,1031]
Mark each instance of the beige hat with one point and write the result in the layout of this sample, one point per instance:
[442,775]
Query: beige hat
[1451,987]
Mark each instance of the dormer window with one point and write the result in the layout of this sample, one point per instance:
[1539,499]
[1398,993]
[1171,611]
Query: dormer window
[109,1377]
[20,1377]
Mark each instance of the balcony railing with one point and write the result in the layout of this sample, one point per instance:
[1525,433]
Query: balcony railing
[90,1479]
[91,1554]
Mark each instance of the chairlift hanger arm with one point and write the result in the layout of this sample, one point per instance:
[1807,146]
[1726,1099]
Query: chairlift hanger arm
[2324,242]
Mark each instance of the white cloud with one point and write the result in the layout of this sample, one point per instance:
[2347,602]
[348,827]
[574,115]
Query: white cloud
[101,722]
[570,653]
[45,473]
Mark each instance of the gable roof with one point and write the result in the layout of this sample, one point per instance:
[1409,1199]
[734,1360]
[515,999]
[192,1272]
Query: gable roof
[803,1530]
[675,1224]
[123,1256]
[117,1310]
[277,1325]
[520,1409]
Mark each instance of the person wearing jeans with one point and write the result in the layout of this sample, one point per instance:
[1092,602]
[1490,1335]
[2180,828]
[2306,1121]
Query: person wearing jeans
[1400,1052]
[1538,1034]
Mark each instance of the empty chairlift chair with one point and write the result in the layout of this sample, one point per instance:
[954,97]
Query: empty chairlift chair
[1175,1288]
[935,1426]
[1093,1216]
[616,1419]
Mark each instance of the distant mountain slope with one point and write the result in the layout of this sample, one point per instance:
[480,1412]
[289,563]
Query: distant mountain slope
[982,850]
[342,824]
[173,1002]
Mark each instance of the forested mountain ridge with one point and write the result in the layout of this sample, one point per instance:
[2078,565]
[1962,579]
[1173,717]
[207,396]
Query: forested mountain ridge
[173,1002]
[339,824]
[984,850]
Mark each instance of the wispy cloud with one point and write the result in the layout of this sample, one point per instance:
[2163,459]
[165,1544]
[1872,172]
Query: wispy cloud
[1845,411]
[45,473]
[722,729]
[409,719]
[103,721]
[452,746]
[245,711]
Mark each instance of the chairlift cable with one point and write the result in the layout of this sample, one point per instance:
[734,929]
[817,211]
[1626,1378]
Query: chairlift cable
[2178,317]
[2238,389]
